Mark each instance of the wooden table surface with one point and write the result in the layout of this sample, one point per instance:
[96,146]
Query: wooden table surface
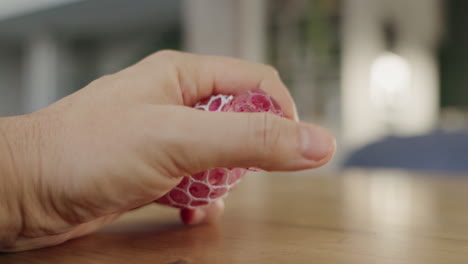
[355,216]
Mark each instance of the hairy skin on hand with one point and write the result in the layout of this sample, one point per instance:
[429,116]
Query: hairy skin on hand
[32,215]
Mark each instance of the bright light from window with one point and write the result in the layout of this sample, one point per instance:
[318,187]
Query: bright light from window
[390,77]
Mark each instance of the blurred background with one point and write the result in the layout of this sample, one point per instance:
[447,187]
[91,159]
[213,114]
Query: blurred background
[388,77]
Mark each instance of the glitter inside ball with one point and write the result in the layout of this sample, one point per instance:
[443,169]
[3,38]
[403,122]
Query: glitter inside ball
[207,186]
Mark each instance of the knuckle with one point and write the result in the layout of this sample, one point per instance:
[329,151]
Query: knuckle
[161,58]
[167,53]
[106,78]
[162,55]
[266,132]
[271,69]
[103,80]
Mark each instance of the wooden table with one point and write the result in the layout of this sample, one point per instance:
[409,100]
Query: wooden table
[350,217]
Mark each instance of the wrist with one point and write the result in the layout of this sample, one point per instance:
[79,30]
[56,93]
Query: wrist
[19,155]
[10,209]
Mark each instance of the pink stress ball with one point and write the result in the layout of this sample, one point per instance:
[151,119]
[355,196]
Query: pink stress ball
[208,186]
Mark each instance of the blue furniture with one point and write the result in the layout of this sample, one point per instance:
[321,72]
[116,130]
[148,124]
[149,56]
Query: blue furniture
[438,151]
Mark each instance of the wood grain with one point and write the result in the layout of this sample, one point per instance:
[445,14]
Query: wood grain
[350,217]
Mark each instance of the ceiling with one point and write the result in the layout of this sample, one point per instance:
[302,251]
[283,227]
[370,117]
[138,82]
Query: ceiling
[11,8]
[94,17]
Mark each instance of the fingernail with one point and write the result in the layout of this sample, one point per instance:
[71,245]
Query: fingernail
[316,142]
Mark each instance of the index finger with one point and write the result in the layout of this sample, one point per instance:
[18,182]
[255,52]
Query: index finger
[201,76]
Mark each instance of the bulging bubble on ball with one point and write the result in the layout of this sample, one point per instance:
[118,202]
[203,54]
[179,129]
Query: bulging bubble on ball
[206,187]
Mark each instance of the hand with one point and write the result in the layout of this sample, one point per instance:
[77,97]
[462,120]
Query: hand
[128,138]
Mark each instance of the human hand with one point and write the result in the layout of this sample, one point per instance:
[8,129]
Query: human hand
[126,139]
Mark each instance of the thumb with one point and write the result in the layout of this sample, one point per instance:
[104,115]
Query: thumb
[226,139]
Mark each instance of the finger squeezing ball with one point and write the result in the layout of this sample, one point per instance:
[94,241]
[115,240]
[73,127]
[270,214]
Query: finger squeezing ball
[207,186]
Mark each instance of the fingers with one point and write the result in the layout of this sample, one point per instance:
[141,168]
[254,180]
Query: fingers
[211,139]
[201,76]
[232,76]
[203,215]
